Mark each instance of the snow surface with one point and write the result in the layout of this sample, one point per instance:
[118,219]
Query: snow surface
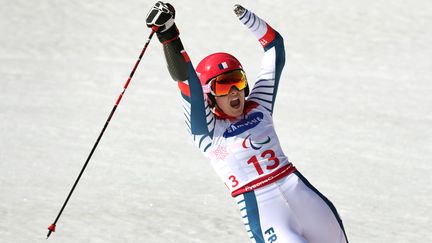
[354,113]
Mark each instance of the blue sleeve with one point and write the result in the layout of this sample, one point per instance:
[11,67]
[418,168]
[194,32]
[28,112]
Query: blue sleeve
[265,89]
[197,113]
[266,85]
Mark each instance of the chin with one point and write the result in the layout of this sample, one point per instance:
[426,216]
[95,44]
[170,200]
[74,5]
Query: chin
[236,114]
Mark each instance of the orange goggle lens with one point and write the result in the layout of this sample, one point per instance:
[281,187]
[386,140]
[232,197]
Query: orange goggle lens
[222,84]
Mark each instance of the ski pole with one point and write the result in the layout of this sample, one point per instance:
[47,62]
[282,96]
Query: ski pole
[52,227]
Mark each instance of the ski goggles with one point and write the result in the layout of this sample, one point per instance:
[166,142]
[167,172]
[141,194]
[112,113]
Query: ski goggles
[222,84]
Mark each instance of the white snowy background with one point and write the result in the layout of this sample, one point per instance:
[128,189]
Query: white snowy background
[354,113]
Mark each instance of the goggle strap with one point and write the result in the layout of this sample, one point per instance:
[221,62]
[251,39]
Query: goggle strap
[207,88]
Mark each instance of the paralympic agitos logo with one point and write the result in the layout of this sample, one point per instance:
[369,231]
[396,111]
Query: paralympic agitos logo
[255,145]
[238,128]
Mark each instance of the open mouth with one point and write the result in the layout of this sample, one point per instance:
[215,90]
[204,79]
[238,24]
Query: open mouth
[235,103]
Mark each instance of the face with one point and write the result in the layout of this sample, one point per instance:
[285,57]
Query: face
[232,104]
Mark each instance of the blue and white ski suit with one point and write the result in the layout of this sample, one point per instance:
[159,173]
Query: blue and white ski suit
[276,202]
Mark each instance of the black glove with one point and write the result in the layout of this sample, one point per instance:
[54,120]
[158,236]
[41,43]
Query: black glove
[161,15]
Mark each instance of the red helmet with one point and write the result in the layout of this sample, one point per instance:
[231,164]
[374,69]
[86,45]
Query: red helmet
[214,65]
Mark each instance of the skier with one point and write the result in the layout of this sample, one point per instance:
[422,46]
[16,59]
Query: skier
[232,126]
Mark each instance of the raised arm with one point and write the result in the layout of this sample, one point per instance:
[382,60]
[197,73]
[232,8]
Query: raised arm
[197,114]
[266,85]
